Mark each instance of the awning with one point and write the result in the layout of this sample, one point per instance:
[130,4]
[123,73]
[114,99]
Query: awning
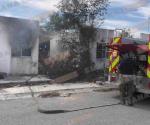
[129,48]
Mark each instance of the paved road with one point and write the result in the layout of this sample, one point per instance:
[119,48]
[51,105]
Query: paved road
[24,112]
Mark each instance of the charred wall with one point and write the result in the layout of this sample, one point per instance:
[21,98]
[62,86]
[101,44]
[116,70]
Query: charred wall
[19,43]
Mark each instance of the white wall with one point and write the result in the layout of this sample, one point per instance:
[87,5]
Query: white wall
[16,34]
[26,65]
[54,45]
[102,34]
[35,57]
[144,36]
[5,51]
[99,63]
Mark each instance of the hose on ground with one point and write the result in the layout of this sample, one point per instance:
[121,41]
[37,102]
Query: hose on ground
[75,110]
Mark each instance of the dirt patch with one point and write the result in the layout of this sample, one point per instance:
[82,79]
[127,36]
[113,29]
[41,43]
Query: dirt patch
[105,89]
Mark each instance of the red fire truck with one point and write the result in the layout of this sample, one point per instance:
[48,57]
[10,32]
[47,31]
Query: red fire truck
[130,58]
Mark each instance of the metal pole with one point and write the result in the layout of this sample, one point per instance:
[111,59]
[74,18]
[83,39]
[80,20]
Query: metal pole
[105,59]
[149,27]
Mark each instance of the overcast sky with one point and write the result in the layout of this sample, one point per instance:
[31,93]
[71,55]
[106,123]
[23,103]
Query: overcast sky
[128,13]
[121,13]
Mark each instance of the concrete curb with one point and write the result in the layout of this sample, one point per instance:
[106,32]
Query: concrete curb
[107,88]
[7,84]
[57,93]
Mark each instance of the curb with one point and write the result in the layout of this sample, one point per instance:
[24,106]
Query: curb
[107,88]
[57,93]
[8,84]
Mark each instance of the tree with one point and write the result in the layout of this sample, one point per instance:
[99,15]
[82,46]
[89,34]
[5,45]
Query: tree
[84,11]
[55,22]
[80,16]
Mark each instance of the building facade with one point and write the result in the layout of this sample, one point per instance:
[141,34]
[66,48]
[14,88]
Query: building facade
[19,45]
[144,36]
[50,46]
[98,49]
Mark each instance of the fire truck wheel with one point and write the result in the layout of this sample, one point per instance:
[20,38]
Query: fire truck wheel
[127,91]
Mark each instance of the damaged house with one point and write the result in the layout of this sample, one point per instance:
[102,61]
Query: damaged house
[50,52]
[19,45]
[50,46]
[98,49]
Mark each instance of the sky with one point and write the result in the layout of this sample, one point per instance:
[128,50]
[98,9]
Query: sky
[131,14]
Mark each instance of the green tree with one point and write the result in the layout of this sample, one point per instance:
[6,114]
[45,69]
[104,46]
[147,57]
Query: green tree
[80,16]
[55,22]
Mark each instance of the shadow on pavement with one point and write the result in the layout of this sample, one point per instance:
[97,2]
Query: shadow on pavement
[144,104]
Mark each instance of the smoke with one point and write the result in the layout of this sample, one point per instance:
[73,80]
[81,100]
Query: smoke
[16,35]
[21,33]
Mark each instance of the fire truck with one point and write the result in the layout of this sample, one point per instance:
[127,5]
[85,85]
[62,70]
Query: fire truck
[129,58]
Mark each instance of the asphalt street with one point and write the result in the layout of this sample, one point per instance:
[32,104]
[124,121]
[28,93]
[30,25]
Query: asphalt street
[25,111]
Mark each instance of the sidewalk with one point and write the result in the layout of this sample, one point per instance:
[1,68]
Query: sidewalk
[62,89]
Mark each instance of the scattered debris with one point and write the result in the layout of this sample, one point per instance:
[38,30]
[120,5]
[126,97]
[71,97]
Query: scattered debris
[49,94]
[66,77]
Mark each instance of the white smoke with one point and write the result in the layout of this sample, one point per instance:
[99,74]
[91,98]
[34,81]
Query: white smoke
[15,34]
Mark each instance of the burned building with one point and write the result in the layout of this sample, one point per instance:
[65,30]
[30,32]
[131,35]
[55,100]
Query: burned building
[49,46]
[19,43]
[98,49]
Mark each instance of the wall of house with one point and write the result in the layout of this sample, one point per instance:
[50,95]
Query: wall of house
[26,65]
[103,36]
[18,37]
[144,36]
[54,45]
[5,50]
[52,38]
